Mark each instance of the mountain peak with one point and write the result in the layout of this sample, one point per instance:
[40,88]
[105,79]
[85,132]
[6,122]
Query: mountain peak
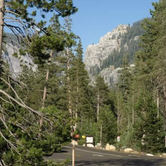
[96,53]
[106,57]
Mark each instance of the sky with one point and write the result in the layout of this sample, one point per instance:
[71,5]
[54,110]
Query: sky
[97,17]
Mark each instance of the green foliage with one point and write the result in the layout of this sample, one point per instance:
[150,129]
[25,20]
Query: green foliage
[15,55]
[109,130]
[125,79]
[129,110]
[60,130]
[81,142]
[150,133]
[27,134]
[22,52]
[140,119]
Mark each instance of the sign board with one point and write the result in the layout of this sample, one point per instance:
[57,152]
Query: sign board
[118,138]
[89,140]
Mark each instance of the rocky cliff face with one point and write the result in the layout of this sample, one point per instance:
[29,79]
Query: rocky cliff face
[95,54]
[101,58]
[16,62]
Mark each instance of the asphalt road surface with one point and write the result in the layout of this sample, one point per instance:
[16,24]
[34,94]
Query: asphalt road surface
[93,157]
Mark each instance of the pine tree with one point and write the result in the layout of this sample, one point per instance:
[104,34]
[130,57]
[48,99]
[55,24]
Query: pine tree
[149,130]
[101,95]
[19,130]
[124,91]
[80,91]
[109,125]
[150,60]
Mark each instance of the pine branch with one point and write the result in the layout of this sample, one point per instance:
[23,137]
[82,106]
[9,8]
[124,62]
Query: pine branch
[6,101]
[4,123]
[21,104]
[9,142]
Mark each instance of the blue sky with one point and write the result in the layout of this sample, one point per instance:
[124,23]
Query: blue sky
[97,17]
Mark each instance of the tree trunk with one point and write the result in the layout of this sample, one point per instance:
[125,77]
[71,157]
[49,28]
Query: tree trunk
[133,110]
[45,90]
[76,112]
[2,4]
[44,97]
[72,128]
[68,82]
[98,106]
[164,88]
[118,115]
[158,104]
[101,134]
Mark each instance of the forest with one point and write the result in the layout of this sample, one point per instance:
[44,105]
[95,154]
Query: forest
[41,111]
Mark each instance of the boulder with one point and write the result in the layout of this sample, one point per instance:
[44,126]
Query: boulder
[148,154]
[128,150]
[112,148]
[107,147]
[98,145]
[164,155]
[90,145]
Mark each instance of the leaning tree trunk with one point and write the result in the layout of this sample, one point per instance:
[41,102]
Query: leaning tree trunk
[44,97]
[45,90]
[2,4]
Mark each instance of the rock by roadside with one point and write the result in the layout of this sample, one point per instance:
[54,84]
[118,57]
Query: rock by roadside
[110,147]
[128,150]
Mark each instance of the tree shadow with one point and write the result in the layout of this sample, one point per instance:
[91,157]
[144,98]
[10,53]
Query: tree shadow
[123,162]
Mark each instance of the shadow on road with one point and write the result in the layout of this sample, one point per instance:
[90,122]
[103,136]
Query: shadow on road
[123,162]
[62,151]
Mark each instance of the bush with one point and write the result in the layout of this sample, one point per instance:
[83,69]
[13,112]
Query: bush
[81,141]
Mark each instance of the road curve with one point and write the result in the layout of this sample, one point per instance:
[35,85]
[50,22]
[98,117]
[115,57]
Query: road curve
[94,157]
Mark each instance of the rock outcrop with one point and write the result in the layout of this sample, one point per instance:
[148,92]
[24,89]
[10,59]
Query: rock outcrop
[16,62]
[96,53]
[105,58]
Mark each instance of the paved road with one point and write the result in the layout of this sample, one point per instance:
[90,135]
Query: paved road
[93,157]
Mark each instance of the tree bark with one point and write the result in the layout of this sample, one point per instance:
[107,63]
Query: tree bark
[2,4]
[158,104]
[101,134]
[133,110]
[45,90]
[98,106]
[68,82]
[118,114]
[44,97]
[76,112]
[164,88]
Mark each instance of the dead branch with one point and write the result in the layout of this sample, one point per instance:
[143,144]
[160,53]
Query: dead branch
[21,104]
[6,101]
[4,123]
[2,163]
[11,144]
[12,90]
[9,11]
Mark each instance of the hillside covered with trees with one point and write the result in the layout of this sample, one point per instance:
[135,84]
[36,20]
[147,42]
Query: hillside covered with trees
[129,46]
